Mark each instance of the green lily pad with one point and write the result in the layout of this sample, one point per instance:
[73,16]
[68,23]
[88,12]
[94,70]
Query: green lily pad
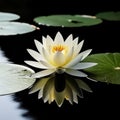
[107,69]
[8,16]
[14,28]
[14,78]
[111,16]
[67,20]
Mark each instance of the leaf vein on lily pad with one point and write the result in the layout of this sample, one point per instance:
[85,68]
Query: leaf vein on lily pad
[107,69]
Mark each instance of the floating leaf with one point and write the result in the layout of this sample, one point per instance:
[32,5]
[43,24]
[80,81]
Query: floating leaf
[14,28]
[111,16]
[107,69]
[8,16]
[14,78]
[67,20]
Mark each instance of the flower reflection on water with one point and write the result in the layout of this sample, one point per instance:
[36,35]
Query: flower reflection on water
[59,87]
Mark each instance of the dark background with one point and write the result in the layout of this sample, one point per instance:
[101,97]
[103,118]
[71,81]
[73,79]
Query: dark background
[29,9]
[104,102]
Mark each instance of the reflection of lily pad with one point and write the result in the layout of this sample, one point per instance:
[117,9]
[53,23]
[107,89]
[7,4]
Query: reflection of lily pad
[107,69]
[67,20]
[111,16]
[14,28]
[8,16]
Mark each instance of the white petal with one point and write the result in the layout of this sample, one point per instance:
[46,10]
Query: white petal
[76,73]
[85,53]
[47,89]
[46,55]
[40,94]
[59,38]
[36,64]
[43,73]
[79,47]
[70,54]
[79,58]
[75,42]
[83,85]
[39,46]
[38,85]
[74,91]
[44,41]
[49,40]
[59,97]
[68,94]
[74,61]
[47,43]
[14,78]
[46,98]
[51,95]
[37,56]
[75,98]
[47,64]
[59,59]
[69,41]
[83,65]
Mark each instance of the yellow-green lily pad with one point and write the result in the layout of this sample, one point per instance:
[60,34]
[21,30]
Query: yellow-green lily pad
[67,20]
[107,69]
[111,16]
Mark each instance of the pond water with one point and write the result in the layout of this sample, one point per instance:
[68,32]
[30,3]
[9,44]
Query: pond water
[10,109]
[105,99]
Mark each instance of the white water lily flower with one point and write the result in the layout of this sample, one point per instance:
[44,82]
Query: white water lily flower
[59,56]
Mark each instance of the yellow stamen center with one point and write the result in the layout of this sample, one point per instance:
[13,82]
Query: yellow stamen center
[58,48]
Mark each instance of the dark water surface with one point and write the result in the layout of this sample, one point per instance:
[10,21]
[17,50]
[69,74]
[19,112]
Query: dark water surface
[105,99]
